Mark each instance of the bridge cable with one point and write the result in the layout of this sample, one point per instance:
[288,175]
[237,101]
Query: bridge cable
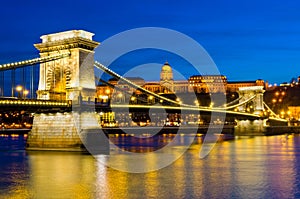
[110,72]
[271,110]
[34,61]
[24,82]
[31,82]
[234,101]
[119,89]
[107,70]
[236,105]
[2,83]
[13,82]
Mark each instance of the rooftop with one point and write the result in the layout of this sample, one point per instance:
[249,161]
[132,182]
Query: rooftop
[67,35]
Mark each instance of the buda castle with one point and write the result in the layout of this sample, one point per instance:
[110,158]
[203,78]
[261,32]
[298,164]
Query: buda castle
[167,84]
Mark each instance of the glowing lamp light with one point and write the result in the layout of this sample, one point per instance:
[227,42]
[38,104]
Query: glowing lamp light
[19,88]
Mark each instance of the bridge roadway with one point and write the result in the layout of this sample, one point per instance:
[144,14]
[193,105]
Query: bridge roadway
[34,105]
[52,106]
[38,106]
[191,110]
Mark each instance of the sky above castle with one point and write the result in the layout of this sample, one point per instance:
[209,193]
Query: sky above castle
[247,40]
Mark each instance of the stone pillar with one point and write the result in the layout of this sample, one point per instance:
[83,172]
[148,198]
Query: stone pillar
[250,127]
[259,103]
[67,76]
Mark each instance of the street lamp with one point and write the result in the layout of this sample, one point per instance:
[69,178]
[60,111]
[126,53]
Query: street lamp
[178,100]
[25,93]
[19,89]
[150,99]
[133,99]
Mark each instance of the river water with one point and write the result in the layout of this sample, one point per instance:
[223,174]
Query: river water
[246,167]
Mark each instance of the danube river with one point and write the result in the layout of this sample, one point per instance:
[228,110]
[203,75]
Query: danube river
[245,167]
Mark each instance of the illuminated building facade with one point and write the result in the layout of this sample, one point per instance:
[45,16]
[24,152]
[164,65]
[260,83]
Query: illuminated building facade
[117,89]
[233,86]
[207,83]
[294,112]
[167,84]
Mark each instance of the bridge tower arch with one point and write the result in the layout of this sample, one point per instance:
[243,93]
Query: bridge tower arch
[69,77]
[254,92]
[253,96]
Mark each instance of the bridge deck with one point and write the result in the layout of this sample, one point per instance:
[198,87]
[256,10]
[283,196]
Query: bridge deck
[34,105]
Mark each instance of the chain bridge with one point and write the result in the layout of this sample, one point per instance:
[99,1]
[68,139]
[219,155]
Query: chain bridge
[59,90]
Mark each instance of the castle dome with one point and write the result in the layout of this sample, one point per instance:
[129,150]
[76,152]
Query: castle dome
[166,78]
[166,67]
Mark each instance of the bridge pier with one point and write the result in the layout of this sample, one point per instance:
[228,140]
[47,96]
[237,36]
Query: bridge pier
[69,131]
[250,127]
[54,131]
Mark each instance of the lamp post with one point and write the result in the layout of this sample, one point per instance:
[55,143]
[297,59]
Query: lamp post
[150,99]
[19,89]
[25,93]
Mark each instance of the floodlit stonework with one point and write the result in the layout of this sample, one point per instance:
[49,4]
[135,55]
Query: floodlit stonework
[67,78]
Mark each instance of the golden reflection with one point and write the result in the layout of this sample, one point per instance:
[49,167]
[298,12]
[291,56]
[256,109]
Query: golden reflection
[102,188]
[61,175]
[179,177]
[152,184]
[117,185]
[245,167]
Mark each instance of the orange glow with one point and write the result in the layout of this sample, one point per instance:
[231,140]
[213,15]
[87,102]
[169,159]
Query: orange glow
[19,88]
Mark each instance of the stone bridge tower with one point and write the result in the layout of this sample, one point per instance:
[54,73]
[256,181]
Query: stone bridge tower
[69,77]
[257,102]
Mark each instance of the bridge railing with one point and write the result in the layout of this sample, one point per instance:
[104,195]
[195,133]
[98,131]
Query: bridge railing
[34,102]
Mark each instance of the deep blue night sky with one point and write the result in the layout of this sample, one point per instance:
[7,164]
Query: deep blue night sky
[247,39]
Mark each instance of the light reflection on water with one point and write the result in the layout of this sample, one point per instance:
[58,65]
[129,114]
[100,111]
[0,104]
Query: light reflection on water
[248,167]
